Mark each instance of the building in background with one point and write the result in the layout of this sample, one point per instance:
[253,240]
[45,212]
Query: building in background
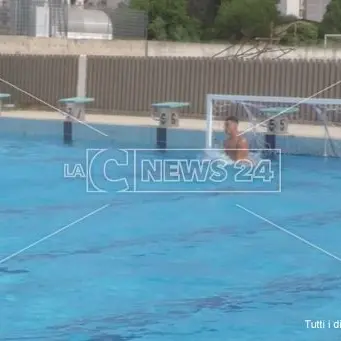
[291,7]
[312,10]
[73,19]
[315,9]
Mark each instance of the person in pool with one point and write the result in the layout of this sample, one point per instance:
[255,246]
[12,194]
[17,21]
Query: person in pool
[235,145]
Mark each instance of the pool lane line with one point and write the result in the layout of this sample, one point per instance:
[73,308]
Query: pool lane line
[3,260]
[53,107]
[305,241]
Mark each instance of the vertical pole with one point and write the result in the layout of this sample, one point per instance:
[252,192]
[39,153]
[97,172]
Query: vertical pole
[209,122]
[322,115]
[67,131]
[270,139]
[161,131]
[161,138]
[67,126]
[146,47]
[81,92]
[82,73]
[50,16]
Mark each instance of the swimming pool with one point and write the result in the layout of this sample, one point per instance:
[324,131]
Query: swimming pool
[168,267]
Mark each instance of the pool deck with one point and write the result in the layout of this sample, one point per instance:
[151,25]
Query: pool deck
[299,130]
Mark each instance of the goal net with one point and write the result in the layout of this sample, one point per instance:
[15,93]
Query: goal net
[301,126]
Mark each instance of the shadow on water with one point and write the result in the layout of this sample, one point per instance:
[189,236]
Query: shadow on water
[108,337]
[300,285]
[5,270]
[314,219]
[225,302]
[206,235]
[283,291]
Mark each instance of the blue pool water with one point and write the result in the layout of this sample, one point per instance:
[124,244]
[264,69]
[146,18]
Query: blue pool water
[171,266]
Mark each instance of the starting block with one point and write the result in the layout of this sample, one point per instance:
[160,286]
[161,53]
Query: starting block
[277,124]
[75,110]
[75,107]
[278,119]
[168,117]
[168,113]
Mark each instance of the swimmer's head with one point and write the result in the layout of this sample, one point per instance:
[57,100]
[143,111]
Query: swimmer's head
[231,125]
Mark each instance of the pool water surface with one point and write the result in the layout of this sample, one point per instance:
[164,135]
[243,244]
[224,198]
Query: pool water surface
[165,266]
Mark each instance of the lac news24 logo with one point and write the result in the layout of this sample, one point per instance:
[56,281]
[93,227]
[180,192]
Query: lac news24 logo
[173,171]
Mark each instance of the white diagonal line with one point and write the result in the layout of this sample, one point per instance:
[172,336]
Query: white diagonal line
[53,107]
[292,107]
[290,233]
[3,260]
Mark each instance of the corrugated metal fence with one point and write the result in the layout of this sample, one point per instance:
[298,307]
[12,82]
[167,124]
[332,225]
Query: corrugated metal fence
[48,78]
[130,85]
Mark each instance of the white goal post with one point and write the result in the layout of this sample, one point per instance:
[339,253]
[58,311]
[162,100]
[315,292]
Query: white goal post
[326,36]
[259,111]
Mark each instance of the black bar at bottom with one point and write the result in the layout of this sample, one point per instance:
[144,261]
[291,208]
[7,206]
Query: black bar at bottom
[161,138]
[67,132]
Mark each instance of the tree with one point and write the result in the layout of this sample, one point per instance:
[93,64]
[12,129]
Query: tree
[237,19]
[169,20]
[331,22]
[300,32]
[204,10]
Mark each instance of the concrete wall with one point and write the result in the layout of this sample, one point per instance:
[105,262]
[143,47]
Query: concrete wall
[57,46]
